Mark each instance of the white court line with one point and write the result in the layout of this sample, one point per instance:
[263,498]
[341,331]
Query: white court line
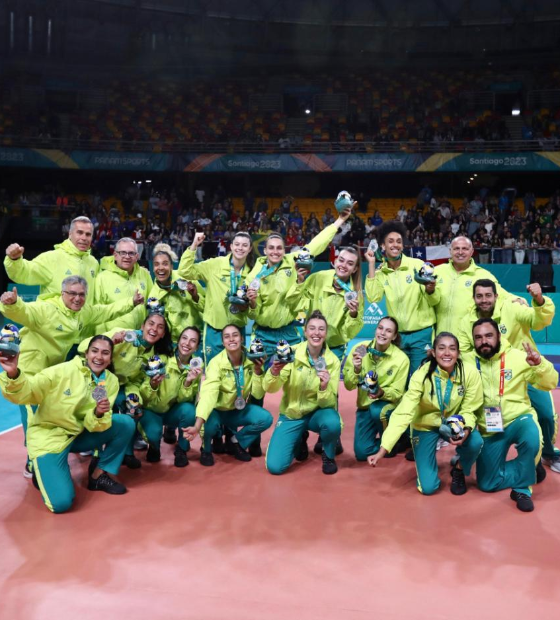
[9,429]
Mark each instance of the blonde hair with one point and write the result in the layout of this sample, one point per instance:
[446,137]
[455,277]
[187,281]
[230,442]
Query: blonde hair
[165,248]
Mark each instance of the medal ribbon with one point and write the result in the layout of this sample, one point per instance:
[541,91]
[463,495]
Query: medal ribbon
[375,352]
[443,401]
[266,271]
[343,285]
[101,380]
[311,359]
[239,380]
[234,280]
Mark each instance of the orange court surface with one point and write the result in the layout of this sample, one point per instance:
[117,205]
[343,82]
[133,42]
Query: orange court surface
[232,542]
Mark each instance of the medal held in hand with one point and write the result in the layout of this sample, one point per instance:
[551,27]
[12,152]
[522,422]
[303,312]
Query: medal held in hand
[350,296]
[195,363]
[369,383]
[182,285]
[343,201]
[361,350]
[320,365]
[99,393]
[9,340]
[130,336]
[425,275]
[255,284]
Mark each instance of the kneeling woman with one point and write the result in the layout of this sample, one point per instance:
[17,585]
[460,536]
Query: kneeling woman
[169,398]
[74,415]
[442,387]
[377,397]
[309,401]
[231,378]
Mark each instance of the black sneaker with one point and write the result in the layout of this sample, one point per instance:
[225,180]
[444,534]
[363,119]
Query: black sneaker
[255,448]
[154,454]
[206,459]
[94,461]
[523,501]
[218,445]
[329,465]
[338,449]
[107,484]
[409,456]
[392,454]
[458,483]
[541,472]
[318,447]
[131,461]
[169,435]
[302,450]
[181,458]
[237,451]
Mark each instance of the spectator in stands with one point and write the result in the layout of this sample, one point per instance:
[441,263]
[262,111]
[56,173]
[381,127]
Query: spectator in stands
[328,217]
[508,247]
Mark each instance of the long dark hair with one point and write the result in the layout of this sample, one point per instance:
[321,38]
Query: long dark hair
[250,260]
[164,345]
[111,368]
[431,360]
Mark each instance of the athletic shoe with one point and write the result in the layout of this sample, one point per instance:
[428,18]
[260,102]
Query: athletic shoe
[553,463]
[28,470]
[218,445]
[237,451]
[206,459]
[86,453]
[409,456]
[541,472]
[131,461]
[169,435]
[441,443]
[392,454]
[154,454]
[140,444]
[329,465]
[318,447]
[302,450]
[338,449]
[523,501]
[107,484]
[94,462]
[181,459]
[458,483]
[255,448]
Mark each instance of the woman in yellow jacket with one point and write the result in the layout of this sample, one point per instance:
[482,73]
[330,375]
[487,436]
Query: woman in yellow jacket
[74,415]
[224,276]
[231,380]
[309,402]
[442,400]
[379,394]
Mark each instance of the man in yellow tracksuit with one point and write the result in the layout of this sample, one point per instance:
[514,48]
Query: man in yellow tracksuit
[410,303]
[391,367]
[507,417]
[72,257]
[305,406]
[515,323]
[120,277]
[67,420]
[455,279]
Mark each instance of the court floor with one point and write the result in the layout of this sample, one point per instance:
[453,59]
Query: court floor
[234,542]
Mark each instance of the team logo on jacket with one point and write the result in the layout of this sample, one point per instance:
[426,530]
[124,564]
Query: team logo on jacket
[508,374]
[503,328]
[68,272]
[60,328]
[142,286]
[117,290]
[92,273]
[467,283]
[223,279]
[409,279]
[389,372]
[68,392]
[461,390]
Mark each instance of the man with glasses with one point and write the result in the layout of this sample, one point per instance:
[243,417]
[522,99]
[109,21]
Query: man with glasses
[120,278]
[72,257]
[53,324]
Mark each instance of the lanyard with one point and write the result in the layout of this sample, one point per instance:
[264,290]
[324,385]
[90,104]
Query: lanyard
[502,373]
[375,352]
[343,285]
[311,362]
[101,380]
[234,280]
[443,401]
[266,271]
[239,379]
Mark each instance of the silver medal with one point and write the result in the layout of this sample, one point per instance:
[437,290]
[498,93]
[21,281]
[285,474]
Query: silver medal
[239,403]
[130,336]
[320,364]
[196,362]
[182,285]
[234,309]
[350,296]
[99,393]
[361,350]
[255,284]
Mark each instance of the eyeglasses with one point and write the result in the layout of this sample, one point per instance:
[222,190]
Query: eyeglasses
[129,254]
[73,294]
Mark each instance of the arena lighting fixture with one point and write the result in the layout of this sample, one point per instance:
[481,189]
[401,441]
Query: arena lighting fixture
[307,111]
[148,181]
[515,111]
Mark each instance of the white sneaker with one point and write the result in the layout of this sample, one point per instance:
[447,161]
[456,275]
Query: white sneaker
[140,444]
[553,463]
[441,443]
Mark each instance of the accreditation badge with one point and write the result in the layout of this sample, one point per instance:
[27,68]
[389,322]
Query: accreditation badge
[494,421]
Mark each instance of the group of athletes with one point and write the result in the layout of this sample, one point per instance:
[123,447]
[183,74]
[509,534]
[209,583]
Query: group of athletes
[111,361]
